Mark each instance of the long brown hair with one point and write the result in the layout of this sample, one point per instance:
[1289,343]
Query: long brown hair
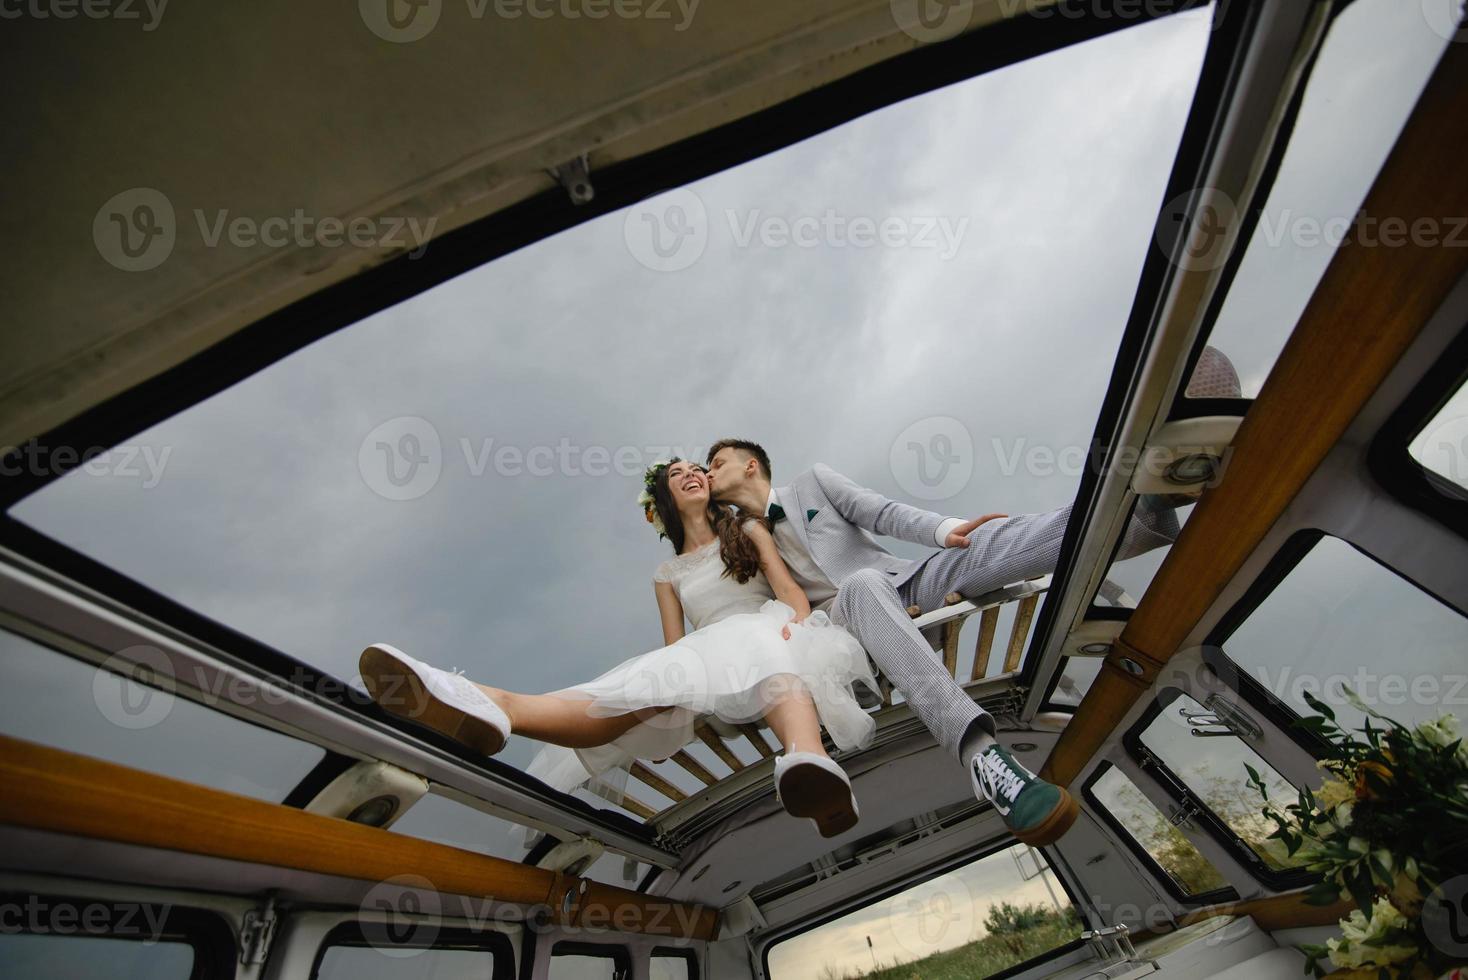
[741,557]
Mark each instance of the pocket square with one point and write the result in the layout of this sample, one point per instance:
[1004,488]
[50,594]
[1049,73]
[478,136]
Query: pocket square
[810,515]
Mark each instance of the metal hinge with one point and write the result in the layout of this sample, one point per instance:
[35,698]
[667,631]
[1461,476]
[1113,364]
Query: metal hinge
[575,177]
[1113,946]
[672,840]
[1182,814]
[1189,808]
[257,931]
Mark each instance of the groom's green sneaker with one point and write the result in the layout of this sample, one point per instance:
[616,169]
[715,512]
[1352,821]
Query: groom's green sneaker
[1035,811]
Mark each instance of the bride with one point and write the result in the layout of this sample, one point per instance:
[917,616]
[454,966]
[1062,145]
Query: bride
[756,651]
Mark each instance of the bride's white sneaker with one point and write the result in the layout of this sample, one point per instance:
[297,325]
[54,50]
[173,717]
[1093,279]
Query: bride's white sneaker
[811,785]
[446,702]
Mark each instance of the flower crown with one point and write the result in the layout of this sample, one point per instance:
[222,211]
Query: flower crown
[645,498]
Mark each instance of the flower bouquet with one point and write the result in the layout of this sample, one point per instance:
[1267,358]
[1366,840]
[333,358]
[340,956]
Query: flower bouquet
[1389,828]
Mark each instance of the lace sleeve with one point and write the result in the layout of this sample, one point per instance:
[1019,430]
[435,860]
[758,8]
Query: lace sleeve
[664,572]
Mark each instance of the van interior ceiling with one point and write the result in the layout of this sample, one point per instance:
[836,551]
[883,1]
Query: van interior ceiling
[214,209]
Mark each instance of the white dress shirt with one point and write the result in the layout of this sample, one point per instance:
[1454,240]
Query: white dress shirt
[807,574]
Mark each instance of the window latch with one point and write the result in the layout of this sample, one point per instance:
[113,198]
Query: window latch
[1223,717]
[1112,945]
[1182,814]
[256,932]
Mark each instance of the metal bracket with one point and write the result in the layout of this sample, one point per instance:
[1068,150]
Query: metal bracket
[572,857]
[575,177]
[1113,947]
[1182,814]
[1223,717]
[257,931]
[1190,807]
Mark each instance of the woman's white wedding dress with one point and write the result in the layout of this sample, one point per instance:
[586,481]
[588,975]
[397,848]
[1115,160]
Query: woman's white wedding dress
[726,669]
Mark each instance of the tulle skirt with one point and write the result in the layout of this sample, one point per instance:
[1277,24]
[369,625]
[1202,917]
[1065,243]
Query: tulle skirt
[729,671]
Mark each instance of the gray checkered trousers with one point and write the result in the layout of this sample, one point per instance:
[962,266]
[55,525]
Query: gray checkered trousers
[832,515]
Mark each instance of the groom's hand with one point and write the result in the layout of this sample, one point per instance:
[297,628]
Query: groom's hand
[958,537]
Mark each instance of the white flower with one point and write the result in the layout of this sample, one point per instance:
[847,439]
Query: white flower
[1441,733]
[1409,868]
[1333,792]
[1353,952]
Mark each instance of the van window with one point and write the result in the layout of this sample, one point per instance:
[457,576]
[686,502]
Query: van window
[420,949]
[66,703]
[45,935]
[367,963]
[672,964]
[585,961]
[1212,772]
[79,955]
[1373,65]
[986,916]
[1342,618]
[1172,856]
[1442,444]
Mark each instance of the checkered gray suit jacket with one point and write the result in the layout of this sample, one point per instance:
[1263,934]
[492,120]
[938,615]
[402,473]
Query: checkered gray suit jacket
[832,515]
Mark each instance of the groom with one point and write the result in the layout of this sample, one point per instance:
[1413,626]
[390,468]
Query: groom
[820,523]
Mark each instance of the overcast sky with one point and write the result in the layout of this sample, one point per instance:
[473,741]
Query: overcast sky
[1018,208]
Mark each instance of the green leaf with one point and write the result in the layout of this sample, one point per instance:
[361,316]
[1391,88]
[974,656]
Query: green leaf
[1381,872]
[1359,884]
[1319,706]
[1324,892]
[1313,953]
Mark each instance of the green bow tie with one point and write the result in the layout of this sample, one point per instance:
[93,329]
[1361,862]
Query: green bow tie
[776,513]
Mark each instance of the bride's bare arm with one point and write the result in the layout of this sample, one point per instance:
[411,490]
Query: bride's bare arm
[776,572]
[671,611]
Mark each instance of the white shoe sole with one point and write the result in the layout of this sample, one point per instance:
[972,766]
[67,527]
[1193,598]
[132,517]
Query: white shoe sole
[809,790]
[395,685]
